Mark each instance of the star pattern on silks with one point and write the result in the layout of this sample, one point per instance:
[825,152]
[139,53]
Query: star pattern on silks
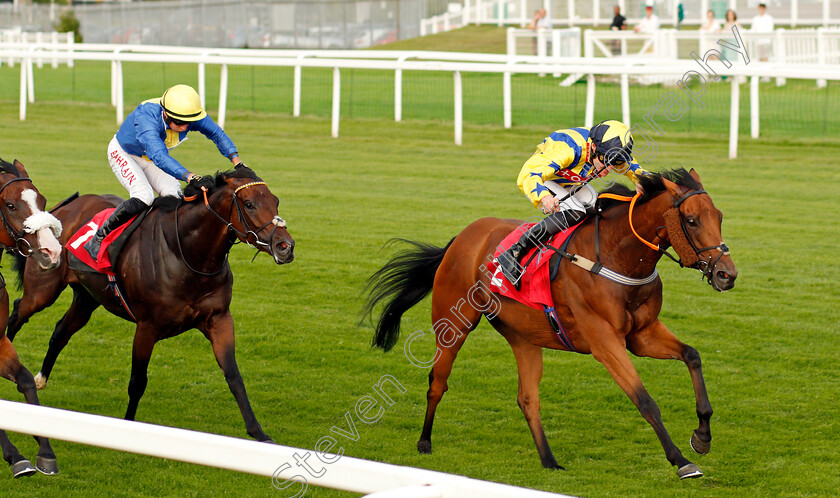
[539,190]
[538,175]
[556,166]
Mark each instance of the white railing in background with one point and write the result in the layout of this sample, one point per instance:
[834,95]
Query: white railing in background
[345,473]
[62,41]
[556,43]
[400,61]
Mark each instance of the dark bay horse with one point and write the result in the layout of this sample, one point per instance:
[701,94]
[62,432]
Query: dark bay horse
[173,273]
[600,316]
[27,229]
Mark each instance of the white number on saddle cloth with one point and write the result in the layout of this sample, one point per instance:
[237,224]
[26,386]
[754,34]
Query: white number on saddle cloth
[497,278]
[80,241]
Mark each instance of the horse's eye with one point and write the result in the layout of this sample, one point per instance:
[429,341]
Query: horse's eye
[10,206]
[690,221]
[249,205]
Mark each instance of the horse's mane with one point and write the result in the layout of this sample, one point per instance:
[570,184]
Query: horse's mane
[9,168]
[652,185]
[169,203]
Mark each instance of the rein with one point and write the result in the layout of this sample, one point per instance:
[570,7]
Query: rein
[680,240]
[16,236]
[277,221]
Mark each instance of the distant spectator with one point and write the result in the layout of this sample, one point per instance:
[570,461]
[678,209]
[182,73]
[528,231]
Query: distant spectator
[680,15]
[619,24]
[763,23]
[649,23]
[731,20]
[712,25]
[541,22]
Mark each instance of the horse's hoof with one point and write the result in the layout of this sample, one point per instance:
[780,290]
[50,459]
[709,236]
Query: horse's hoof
[689,471]
[554,466]
[46,466]
[698,445]
[40,381]
[23,468]
[268,441]
[424,446]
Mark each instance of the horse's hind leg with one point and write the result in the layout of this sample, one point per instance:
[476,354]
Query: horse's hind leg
[451,327]
[656,341]
[74,319]
[529,362]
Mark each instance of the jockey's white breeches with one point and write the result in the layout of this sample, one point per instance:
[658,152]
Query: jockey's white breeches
[140,176]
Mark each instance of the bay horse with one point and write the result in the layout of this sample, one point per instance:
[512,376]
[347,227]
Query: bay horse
[173,274]
[27,229]
[601,317]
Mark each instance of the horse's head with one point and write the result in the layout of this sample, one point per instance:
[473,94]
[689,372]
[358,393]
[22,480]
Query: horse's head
[694,231]
[26,227]
[256,221]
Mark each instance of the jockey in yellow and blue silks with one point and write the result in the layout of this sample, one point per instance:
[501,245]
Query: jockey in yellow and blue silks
[556,180]
[139,153]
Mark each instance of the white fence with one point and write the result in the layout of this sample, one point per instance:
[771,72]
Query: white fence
[400,61]
[60,42]
[269,460]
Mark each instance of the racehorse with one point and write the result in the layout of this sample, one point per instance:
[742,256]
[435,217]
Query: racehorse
[600,316]
[173,275]
[27,229]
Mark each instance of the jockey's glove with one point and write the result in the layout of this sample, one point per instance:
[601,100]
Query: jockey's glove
[199,182]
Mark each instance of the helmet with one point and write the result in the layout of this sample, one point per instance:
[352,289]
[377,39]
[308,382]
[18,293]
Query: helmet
[181,102]
[613,140]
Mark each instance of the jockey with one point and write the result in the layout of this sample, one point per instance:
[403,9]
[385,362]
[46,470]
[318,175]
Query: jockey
[139,153]
[556,180]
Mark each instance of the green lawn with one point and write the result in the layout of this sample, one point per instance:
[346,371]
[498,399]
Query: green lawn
[769,346]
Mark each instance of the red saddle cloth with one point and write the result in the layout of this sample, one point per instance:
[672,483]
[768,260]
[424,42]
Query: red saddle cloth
[535,290]
[76,244]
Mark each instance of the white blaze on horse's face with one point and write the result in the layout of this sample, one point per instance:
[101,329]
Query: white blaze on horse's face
[45,225]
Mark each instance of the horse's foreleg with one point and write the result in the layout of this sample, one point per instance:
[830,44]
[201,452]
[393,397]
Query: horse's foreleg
[74,319]
[220,332]
[141,353]
[36,297]
[9,366]
[529,362]
[609,350]
[656,341]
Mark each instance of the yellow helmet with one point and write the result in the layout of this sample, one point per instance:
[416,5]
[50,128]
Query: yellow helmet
[613,140]
[181,102]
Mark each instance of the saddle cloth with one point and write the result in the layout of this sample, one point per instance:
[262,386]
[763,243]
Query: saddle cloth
[111,245]
[535,290]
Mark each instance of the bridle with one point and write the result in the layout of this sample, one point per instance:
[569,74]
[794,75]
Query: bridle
[22,246]
[689,255]
[277,221]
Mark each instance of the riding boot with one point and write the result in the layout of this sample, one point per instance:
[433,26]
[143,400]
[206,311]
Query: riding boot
[509,260]
[124,212]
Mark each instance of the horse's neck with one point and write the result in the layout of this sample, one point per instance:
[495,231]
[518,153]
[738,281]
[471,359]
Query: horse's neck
[627,254]
[203,234]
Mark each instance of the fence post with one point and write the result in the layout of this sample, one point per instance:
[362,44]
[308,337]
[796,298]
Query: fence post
[478,17]
[223,87]
[733,118]
[499,7]
[296,90]
[524,13]
[590,101]
[511,42]
[459,109]
[825,13]
[336,101]
[23,81]
[506,91]
[588,49]
[71,41]
[754,116]
[119,91]
[794,12]
[30,78]
[822,48]
[780,52]
[54,41]
[398,90]
[466,12]
[571,5]
[39,39]
[596,14]
[625,99]
[202,83]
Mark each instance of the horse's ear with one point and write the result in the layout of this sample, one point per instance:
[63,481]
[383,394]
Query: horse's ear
[676,190]
[20,168]
[696,177]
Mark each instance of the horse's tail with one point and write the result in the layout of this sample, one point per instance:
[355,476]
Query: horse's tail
[18,265]
[400,284]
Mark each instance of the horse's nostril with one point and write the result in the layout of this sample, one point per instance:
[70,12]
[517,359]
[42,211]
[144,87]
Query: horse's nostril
[284,245]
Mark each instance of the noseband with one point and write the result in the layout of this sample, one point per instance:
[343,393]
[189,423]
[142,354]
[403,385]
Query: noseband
[22,246]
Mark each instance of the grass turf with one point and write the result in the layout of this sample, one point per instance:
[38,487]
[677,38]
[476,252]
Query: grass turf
[768,347]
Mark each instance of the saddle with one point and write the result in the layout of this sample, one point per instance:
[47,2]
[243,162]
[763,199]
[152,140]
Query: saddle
[111,245]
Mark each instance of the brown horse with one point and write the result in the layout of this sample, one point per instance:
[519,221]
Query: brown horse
[24,226]
[173,274]
[600,316]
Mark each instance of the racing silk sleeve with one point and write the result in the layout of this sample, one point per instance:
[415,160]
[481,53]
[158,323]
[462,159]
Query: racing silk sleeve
[150,130]
[212,131]
[562,156]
